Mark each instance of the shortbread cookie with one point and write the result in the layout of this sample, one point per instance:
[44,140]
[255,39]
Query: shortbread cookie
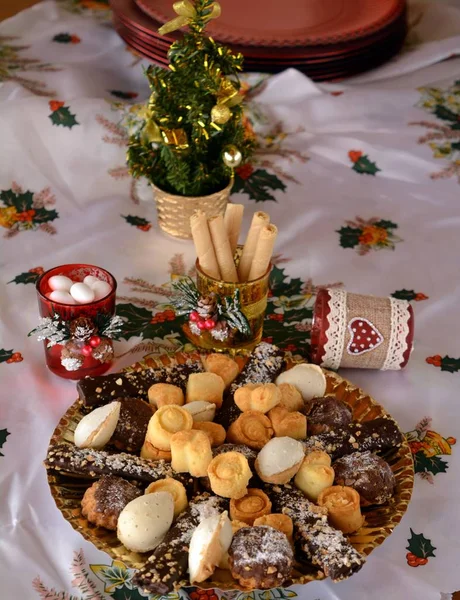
[229,475]
[247,509]
[167,421]
[252,428]
[162,394]
[205,386]
[222,365]
[191,452]
[285,423]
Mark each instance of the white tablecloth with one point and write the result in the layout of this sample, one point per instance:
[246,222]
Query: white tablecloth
[362,178]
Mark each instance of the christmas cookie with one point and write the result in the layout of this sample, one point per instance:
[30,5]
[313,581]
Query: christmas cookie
[149,451]
[279,460]
[252,428]
[131,428]
[313,478]
[308,379]
[285,423]
[201,410]
[144,522]
[343,508]
[260,557]
[278,521]
[191,452]
[229,475]
[214,431]
[327,414]
[210,542]
[222,365]
[161,394]
[205,386]
[250,507]
[291,398]
[167,421]
[368,474]
[261,397]
[173,487]
[103,502]
[96,428]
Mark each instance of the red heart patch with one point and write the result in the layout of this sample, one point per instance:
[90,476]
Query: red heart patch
[364,336]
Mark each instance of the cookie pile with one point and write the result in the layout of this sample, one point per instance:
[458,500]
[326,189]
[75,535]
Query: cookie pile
[253,471]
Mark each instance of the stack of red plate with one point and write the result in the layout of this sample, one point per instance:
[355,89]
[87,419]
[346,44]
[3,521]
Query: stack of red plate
[326,39]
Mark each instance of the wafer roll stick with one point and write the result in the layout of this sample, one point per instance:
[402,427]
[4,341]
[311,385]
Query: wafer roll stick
[203,244]
[222,249]
[258,221]
[264,251]
[232,219]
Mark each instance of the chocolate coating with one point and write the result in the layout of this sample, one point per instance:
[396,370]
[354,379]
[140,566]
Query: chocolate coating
[368,474]
[131,428]
[260,557]
[326,414]
[106,498]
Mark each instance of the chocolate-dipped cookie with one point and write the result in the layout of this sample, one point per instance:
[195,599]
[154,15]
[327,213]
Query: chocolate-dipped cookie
[260,557]
[106,498]
[368,474]
[326,414]
[132,424]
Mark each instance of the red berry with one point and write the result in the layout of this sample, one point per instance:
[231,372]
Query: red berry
[201,325]
[10,360]
[94,341]
[422,561]
[86,350]
[194,317]
[209,324]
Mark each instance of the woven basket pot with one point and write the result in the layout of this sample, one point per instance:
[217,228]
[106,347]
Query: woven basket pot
[174,212]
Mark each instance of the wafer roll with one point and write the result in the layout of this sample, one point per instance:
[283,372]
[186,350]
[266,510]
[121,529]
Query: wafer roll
[264,251]
[259,220]
[222,249]
[204,245]
[232,219]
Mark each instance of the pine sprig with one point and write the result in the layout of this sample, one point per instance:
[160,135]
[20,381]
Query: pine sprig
[229,308]
[52,329]
[186,296]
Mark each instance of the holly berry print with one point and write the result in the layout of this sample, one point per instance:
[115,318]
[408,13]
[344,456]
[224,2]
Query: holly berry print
[4,433]
[10,356]
[409,295]
[26,211]
[361,163]
[427,446]
[138,222]
[66,38]
[445,363]
[366,235]
[420,550]
[30,276]
[61,115]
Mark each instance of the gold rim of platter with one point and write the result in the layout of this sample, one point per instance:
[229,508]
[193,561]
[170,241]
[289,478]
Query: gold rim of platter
[380,521]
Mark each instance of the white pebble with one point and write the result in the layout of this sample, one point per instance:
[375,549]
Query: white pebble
[101,289]
[60,282]
[90,280]
[61,296]
[82,293]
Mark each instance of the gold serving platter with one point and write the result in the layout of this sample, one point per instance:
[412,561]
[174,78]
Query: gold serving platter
[380,521]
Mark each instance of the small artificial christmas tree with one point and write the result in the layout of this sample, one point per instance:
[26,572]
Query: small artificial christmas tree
[193,134]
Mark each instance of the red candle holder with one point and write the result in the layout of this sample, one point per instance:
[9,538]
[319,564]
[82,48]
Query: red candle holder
[363,332]
[85,347]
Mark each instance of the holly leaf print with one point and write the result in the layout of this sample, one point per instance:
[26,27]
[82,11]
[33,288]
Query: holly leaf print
[420,546]
[63,117]
[43,215]
[258,185]
[5,355]
[23,202]
[7,197]
[429,464]
[4,433]
[349,236]
[137,320]
[136,221]
[452,365]
[386,224]
[364,166]
[404,295]
[27,277]
[279,286]
[445,114]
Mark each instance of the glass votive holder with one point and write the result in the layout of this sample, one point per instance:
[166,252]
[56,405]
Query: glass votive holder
[223,336]
[77,337]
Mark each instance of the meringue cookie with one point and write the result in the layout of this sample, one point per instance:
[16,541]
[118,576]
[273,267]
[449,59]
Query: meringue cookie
[144,521]
[96,428]
[308,379]
[201,410]
[209,544]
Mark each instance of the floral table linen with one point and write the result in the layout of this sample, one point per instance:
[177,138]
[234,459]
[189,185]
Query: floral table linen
[362,178]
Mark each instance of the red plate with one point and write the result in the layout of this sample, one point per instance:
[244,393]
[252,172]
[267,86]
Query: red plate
[132,17]
[292,22]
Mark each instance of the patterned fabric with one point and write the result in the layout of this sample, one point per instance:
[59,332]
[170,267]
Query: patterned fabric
[362,178]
